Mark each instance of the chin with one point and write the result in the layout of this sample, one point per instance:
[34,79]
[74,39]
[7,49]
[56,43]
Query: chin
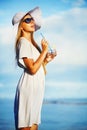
[32,30]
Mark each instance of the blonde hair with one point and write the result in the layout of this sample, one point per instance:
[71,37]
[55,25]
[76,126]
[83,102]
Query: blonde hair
[17,39]
[19,34]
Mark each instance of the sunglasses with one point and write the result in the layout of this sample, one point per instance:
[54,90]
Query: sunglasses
[28,20]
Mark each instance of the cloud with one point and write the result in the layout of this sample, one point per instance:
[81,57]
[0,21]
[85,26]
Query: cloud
[7,95]
[55,89]
[79,2]
[1,85]
[69,85]
[74,3]
[2,12]
[68,31]
[7,34]
[7,90]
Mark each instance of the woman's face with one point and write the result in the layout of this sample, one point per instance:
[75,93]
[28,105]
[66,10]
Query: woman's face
[28,24]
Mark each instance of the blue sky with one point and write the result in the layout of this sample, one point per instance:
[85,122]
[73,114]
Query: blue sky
[65,27]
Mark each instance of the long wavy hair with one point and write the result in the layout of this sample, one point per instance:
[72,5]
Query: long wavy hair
[19,34]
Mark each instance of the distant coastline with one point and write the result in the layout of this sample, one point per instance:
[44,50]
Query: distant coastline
[67,101]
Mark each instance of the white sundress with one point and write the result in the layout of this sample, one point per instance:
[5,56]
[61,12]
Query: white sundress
[30,89]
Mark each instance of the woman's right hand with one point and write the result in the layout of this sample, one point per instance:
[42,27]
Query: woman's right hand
[44,45]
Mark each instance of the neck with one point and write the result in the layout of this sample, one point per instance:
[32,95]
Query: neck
[28,36]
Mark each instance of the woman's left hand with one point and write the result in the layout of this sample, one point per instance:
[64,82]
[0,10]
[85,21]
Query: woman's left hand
[50,56]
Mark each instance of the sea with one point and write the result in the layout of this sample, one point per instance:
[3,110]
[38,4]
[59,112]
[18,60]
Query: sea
[57,114]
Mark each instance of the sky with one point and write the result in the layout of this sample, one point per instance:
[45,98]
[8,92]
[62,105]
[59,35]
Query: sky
[65,28]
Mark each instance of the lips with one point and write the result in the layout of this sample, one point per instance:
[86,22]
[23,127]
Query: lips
[32,26]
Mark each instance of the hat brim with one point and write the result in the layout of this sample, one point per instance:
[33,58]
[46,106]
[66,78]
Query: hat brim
[35,14]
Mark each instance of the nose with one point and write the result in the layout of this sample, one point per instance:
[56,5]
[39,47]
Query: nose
[32,21]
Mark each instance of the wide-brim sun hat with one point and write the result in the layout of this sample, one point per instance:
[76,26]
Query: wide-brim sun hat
[35,14]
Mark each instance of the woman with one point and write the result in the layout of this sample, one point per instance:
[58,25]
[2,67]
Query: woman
[30,89]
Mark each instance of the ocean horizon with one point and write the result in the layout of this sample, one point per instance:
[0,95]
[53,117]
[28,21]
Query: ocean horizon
[57,114]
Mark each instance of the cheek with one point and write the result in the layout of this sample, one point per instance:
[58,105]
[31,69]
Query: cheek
[26,27]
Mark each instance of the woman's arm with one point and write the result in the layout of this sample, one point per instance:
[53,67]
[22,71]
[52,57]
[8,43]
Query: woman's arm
[32,65]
